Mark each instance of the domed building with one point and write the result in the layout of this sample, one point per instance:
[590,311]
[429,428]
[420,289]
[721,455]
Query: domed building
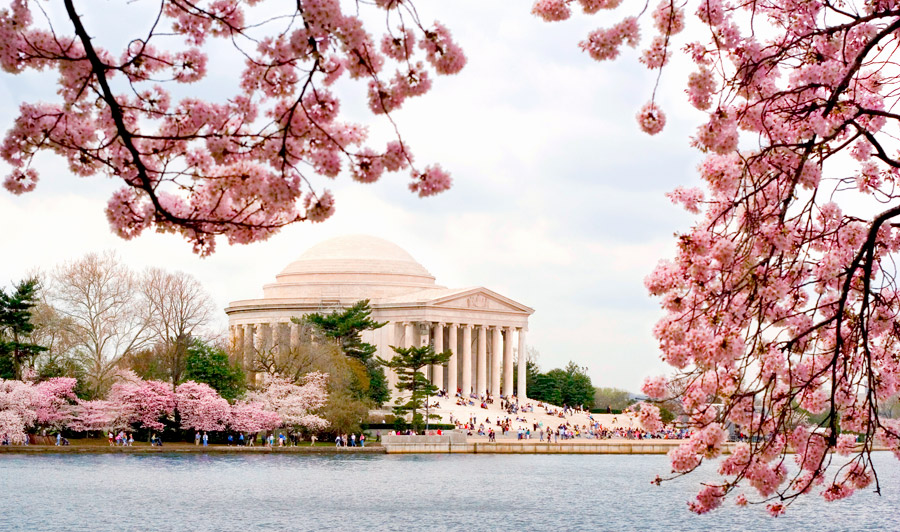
[481,328]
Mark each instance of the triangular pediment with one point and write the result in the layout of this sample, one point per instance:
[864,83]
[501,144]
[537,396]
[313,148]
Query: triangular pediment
[480,299]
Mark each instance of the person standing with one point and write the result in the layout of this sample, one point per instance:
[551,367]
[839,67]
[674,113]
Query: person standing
[362,439]
[197,438]
[205,438]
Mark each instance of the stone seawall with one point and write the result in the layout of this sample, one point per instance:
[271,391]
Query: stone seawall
[186,449]
[454,443]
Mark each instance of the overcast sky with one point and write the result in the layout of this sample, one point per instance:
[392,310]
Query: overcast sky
[558,199]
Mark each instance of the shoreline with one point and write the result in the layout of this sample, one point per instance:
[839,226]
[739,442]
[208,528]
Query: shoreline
[186,449]
[616,447]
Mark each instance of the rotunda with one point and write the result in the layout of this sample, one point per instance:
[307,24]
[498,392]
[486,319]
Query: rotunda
[482,329]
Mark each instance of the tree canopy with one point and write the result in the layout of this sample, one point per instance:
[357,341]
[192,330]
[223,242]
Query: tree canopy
[16,309]
[242,168]
[209,364]
[346,327]
[569,386]
[782,299]
[612,398]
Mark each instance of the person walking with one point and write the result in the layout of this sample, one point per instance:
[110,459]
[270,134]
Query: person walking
[197,438]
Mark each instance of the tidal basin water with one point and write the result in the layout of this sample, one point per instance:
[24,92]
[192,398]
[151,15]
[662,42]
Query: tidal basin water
[397,492]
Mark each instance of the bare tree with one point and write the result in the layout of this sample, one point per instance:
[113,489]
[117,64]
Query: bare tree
[314,352]
[179,309]
[104,312]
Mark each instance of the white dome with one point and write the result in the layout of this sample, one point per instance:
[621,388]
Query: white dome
[351,268]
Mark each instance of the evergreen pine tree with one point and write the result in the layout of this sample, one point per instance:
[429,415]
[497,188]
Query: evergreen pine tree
[16,327]
[407,363]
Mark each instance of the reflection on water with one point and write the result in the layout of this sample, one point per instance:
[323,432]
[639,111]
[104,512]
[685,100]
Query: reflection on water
[379,492]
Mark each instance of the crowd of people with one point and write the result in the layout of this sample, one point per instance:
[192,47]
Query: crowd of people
[524,429]
[120,439]
[341,440]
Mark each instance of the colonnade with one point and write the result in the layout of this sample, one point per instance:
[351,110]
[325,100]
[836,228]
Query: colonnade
[251,338]
[486,370]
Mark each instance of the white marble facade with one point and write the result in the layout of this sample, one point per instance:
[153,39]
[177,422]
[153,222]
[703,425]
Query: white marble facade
[481,328]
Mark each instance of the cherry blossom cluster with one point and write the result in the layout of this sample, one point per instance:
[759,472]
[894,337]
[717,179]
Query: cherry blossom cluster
[134,403]
[781,302]
[242,167]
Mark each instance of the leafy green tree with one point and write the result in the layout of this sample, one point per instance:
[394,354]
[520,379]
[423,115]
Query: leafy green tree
[209,364]
[612,398]
[579,390]
[407,364]
[346,327]
[16,327]
[548,387]
[344,411]
[570,386]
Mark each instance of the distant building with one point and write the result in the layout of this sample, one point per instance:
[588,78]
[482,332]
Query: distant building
[481,328]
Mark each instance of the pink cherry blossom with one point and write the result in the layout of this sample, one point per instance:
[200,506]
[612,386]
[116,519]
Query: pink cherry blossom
[296,405]
[651,119]
[649,418]
[552,10]
[655,387]
[201,168]
[143,403]
[201,408]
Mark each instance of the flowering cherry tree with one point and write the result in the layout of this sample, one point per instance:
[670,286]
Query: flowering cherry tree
[98,415]
[295,404]
[17,409]
[243,166]
[143,403]
[781,301]
[201,407]
[24,405]
[252,417]
[54,402]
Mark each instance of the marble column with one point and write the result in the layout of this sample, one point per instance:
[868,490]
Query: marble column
[496,357]
[248,356]
[295,336]
[467,360]
[387,353]
[451,364]
[282,338]
[481,372]
[265,337]
[507,362]
[239,345]
[408,334]
[523,362]
[437,370]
